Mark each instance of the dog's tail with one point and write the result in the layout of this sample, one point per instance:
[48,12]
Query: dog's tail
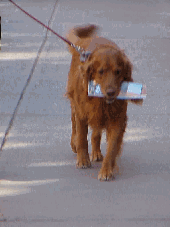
[83,32]
[86,31]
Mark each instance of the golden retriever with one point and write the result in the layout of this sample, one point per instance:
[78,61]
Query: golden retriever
[109,67]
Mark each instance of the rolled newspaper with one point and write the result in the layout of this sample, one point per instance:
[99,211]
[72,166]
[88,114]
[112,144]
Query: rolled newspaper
[129,90]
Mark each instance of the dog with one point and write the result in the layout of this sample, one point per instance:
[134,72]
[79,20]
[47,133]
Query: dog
[108,66]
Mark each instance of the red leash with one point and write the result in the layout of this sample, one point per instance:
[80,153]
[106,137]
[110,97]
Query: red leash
[83,54]
[65,40]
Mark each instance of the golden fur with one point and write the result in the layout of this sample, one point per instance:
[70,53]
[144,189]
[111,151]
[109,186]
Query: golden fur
[109,67]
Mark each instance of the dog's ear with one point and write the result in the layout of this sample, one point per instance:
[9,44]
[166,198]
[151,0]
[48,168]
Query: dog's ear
[136,101]
[126,65]
[128,71]
[86,69]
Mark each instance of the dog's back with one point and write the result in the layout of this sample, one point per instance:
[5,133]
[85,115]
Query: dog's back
[81,36]
[86,37]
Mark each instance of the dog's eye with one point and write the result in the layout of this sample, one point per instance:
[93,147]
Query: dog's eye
[101,72]
[118,71]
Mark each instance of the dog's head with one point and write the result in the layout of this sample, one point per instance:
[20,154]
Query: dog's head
[108,67]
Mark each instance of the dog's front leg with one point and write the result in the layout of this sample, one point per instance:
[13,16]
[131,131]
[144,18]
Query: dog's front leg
[113,147]
[96,154]
[83,160]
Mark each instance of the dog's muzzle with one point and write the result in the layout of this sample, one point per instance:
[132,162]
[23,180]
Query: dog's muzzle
[109,101]
[110,96]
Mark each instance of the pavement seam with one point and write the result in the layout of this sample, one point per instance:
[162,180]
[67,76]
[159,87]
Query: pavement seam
[27,82]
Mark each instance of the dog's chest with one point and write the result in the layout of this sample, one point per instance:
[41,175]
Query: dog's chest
[100,114]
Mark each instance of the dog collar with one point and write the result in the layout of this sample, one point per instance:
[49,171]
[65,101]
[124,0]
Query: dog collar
[84,55]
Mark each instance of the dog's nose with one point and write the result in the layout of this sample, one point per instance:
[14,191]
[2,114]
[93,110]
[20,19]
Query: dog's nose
[110,92]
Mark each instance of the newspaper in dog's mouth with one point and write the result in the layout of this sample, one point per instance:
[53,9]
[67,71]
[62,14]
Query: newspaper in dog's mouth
[129,90]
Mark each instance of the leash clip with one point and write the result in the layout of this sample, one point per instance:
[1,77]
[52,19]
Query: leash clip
[83,54]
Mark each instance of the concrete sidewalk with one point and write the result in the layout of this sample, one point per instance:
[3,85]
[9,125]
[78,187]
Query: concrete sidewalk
[40,185]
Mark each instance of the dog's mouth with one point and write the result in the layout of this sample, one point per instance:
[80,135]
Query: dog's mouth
[110,100]
[111,95]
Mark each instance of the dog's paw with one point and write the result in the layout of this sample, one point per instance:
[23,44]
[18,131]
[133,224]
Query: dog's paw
[106,174]
[83,161]
[83,164]
[96,156]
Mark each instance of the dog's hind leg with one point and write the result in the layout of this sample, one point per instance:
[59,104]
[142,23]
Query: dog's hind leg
[73,136]
[96,154]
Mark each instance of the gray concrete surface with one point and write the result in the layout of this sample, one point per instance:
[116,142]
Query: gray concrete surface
[40,185]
